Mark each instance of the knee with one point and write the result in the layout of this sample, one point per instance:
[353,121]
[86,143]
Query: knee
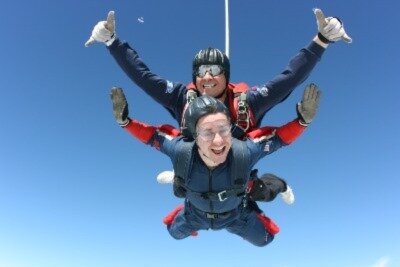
[262,244]
[265,241]
[269,238]
[177,233]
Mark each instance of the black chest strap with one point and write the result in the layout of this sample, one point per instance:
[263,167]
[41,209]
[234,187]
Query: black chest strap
[238,171]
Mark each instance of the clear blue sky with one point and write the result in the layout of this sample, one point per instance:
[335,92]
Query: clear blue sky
[76,190]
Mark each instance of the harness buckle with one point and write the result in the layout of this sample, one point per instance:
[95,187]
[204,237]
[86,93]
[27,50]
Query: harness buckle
[243,115]
[242,108]
[211,215]
[222,196]
[190,96]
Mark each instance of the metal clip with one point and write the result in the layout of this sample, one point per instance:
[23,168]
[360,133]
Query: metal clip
[222,196]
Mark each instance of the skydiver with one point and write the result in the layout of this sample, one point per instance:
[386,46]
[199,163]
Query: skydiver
[214,166]
[211,76]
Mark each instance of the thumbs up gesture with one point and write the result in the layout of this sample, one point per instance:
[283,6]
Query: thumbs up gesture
[330,28]
[104,31]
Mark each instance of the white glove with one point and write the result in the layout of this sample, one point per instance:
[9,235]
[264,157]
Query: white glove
[331,28]
[165,177]
[104,31]
[288,195]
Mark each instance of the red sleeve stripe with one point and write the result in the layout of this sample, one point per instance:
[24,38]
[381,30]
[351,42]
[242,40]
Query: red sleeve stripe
[169,130]
[290,132]
[260,132]
[141,131]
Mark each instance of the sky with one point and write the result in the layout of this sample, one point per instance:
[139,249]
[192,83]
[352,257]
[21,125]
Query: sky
[76,190]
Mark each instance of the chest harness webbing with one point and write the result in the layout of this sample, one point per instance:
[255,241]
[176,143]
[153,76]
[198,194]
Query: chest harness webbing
[241,114]
[238,171]
[242,111]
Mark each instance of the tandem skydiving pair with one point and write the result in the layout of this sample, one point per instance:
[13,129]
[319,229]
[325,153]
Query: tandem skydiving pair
[219,140]
[214,168]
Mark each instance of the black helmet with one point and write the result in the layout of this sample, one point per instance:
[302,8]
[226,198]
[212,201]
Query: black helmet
[211,56]
[200,107]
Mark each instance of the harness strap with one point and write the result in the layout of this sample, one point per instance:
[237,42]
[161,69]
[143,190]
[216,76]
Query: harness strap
[242,116]
[221,196]
[180,189]
[241,113]
[190,96]
[182,166]
[211,215]
[238,172]
[242,110]
[249,186]
[184,162]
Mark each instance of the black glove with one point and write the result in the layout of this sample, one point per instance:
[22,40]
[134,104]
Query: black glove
[267,187]
[308,106]
[120,106]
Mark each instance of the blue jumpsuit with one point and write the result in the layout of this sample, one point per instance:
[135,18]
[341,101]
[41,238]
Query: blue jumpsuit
[172,95]
[200,213]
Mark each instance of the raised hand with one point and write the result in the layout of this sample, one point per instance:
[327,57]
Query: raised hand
[120,106]
[307,108]
[331,28]
[104,31]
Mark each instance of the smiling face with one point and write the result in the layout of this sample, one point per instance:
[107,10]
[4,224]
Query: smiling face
[212,85]
[214,138]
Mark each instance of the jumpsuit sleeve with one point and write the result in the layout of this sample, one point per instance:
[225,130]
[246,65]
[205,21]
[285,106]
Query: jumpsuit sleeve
[263,98]
[267,140]
[163,138]
[171,96]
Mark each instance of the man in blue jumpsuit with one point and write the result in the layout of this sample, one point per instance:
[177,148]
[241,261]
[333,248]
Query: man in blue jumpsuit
[216,82]
[211,74]
[214,200]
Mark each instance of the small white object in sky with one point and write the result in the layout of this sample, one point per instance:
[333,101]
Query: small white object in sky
[140,19]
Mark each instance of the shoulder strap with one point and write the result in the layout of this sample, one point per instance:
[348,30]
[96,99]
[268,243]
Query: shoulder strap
[183,162]
[182,165]
[239,169]
[238,173]
[241,113]
[190,96]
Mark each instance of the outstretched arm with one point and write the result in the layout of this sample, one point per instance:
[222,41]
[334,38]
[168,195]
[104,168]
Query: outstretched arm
[169,95]
[159,137]
[263,98]
[288,133]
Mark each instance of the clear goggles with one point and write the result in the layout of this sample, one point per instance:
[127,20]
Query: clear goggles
[213,70]
[209,134]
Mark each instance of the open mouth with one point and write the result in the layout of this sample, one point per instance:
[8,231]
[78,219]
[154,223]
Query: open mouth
[218,151]
[209,85]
